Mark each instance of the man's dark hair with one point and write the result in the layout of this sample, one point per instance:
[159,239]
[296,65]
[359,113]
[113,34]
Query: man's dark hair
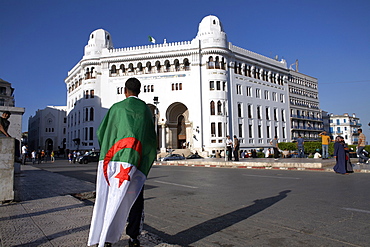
[7,112]
[360,130]
[133,85]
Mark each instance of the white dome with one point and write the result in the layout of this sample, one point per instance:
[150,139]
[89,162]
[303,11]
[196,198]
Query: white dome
[210,23]
[98,40]
[211,32]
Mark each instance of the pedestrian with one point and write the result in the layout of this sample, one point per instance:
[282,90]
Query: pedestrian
[33,157]
[4,124]
[70,158]
[300,146]
[127,150]
[325,141]
[339,156]
[317,155]
[349,167]
[24,154]
[52,158]
[360,147]
[38,155]
[267,153]
[274,143]
[236,148]
[229,147]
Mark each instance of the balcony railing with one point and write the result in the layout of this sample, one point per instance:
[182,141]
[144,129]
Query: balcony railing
[306,117]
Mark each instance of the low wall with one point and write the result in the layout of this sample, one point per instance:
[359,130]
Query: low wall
[6,169]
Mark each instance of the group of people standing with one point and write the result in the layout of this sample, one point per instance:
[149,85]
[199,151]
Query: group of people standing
[232,148]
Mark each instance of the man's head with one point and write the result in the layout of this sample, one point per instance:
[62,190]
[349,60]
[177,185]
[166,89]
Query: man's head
[6,114]
[359,130]
[132,87]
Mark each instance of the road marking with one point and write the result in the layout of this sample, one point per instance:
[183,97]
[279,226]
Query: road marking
[357,210]
[270,176]
[181,185]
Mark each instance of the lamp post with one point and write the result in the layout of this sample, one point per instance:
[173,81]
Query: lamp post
[156,102]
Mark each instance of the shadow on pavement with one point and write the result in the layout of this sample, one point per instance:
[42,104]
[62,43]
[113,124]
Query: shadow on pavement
[217,224]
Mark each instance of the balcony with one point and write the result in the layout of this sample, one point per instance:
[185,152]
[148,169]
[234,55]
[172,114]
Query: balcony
[306,117]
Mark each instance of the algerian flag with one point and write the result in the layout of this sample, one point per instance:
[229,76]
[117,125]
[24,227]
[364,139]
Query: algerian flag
[151,39]
[127,150]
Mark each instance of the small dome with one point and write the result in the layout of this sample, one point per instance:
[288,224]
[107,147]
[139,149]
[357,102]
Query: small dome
[211,32]
[210,23]
[99,39]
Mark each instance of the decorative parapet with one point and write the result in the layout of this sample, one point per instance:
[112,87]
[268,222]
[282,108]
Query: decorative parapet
[259,57]
[175,46]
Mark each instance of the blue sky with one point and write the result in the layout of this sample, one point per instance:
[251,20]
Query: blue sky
[41,40]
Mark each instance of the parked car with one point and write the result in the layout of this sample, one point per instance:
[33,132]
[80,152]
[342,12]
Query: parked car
[194,156]
[88,157]
[172,157]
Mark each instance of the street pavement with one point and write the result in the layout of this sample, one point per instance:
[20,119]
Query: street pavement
[51,209]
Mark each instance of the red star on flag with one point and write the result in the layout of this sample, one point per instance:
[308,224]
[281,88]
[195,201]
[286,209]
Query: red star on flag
[123,175]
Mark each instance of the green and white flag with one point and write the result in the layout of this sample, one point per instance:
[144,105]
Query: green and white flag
[127,150]
[151,39]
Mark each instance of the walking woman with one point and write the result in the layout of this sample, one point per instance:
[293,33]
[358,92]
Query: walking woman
[340,156]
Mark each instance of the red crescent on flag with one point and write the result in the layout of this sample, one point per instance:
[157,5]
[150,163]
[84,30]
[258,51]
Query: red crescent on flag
[128,142]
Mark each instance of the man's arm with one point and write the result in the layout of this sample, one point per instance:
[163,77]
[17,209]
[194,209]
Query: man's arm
[3,131]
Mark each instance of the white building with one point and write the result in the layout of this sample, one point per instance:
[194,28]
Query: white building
[346,126]
[207,88]
[305,114]
[47,129]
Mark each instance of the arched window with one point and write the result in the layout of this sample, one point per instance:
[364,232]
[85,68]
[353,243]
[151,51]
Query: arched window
[167,66]
[113,69]
[130,67]
[211,63]
[219,108]
[212,107]
[223,63]
[158,66]
[149,67]
[87,74]
[122,68]
[177,65]
[217,63]
[186,64]
[140,67]
[91,114]
[86,114]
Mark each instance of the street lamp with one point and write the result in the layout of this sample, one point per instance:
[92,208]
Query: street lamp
[156,102]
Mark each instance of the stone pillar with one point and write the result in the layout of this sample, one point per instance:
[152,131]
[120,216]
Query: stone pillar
[6,169]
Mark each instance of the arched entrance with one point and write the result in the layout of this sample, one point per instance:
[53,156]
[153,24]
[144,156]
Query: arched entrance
[178,125]
[49,146]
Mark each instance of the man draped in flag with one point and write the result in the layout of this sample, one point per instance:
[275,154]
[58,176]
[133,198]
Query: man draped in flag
[128,148]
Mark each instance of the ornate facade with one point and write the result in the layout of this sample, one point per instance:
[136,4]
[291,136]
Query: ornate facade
[199,90]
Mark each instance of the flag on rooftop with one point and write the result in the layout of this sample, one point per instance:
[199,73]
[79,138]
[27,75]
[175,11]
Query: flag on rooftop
[151,39]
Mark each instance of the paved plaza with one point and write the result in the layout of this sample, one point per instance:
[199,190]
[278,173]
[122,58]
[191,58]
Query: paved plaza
[51,209]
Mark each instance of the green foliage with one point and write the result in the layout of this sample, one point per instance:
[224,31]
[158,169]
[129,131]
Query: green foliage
[287,145]
[310,147]
[260,155]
